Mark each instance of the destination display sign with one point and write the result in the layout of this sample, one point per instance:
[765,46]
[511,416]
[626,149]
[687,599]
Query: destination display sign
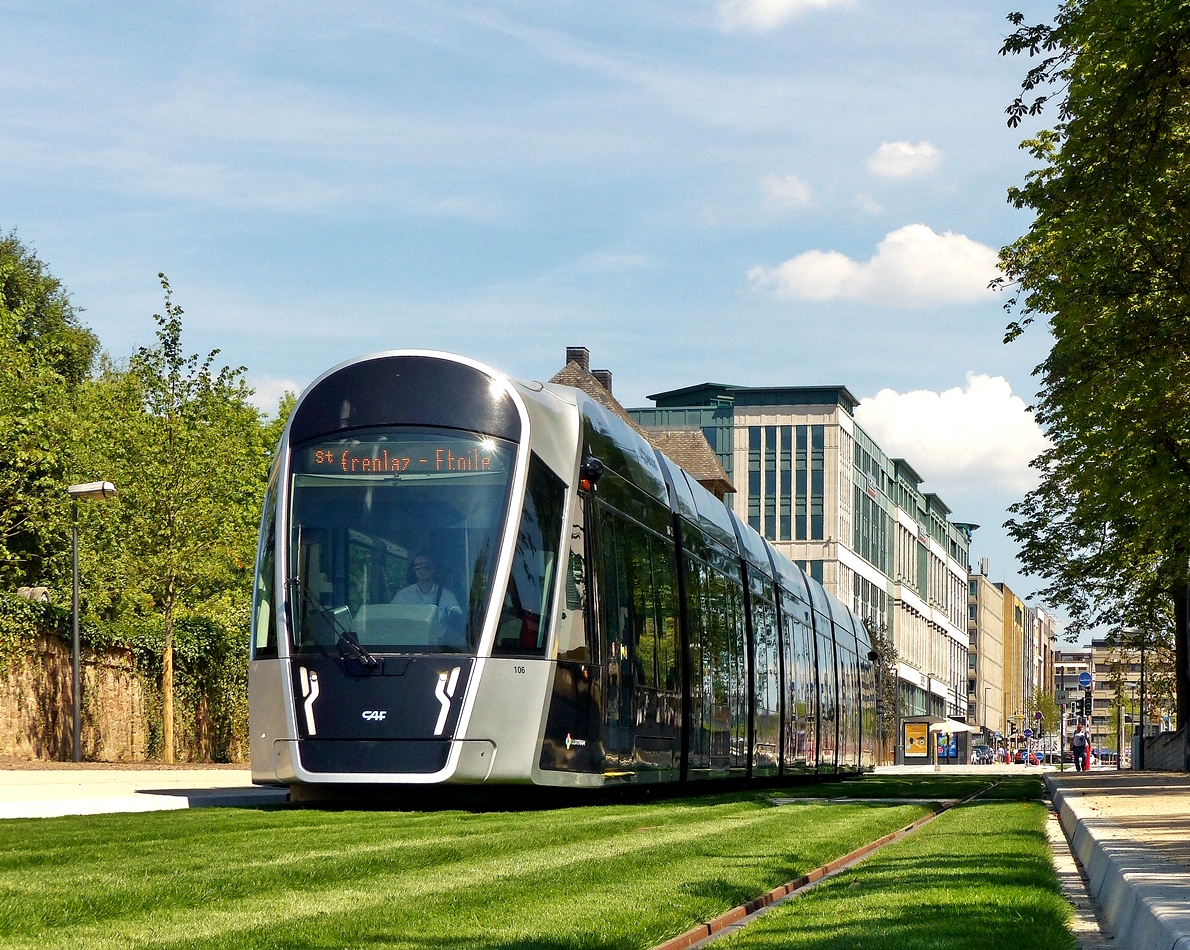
[403,455]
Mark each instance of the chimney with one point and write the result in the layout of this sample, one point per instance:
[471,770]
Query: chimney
[605,378]
[580,355]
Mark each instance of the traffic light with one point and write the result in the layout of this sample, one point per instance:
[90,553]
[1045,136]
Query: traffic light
[1088,703]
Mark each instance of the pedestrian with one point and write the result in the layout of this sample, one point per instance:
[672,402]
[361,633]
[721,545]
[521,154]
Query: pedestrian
[1078,746]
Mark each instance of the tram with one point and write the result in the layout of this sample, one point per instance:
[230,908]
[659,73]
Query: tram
[463,578]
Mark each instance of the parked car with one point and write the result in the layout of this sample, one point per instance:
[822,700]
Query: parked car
[982,755]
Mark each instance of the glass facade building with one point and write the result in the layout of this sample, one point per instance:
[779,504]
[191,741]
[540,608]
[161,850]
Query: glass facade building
[823,492]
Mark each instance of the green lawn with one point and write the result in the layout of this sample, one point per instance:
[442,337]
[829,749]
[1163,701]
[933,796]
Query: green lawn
[624,875]
[978,876]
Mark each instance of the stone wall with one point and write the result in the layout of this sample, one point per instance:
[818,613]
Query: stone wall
[1168,751]
[36,705]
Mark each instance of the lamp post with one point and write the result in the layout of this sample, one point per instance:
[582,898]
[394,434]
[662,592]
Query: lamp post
[89,491]
[1141,748]
[1140,762]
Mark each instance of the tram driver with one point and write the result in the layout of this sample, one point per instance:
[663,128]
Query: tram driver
[425,591]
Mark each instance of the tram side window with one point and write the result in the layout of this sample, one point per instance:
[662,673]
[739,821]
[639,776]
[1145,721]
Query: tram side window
[629,600]
[264,620]
[525,616]
[668,651]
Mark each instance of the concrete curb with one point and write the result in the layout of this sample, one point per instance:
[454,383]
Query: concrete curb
[1144,897]
[166,800]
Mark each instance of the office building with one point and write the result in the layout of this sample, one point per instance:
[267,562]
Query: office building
[810,480]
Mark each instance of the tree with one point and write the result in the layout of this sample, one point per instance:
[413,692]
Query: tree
[1106,263]
[189,457]
[886,683]
[1051,716]
[45,354]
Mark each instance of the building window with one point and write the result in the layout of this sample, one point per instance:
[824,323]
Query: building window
[973,611]
[770,482]
[817,480]
[800,475]
[974,588]
[754,477]
[786,466]
[816,571]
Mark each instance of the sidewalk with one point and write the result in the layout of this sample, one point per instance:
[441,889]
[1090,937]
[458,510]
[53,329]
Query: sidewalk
[69,789]
[1131,832]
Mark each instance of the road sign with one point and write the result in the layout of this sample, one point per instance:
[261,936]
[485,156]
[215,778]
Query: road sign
[1028,733]
[1084,679]
[1037,715]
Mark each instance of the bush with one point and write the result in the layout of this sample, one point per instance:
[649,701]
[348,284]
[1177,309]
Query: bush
[210,668]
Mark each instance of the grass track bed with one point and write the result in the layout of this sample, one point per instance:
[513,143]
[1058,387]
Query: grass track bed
[601,876]
[978,876]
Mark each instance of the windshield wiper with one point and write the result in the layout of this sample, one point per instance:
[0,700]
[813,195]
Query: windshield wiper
[348,643]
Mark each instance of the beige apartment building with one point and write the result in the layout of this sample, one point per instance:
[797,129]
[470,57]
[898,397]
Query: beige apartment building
[1045,651]
[1068,666]
[1116,673]
[985,656]
[1015,637]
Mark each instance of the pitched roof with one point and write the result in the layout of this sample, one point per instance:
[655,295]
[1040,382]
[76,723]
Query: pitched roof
[572,374]
[687,447]
[691,450]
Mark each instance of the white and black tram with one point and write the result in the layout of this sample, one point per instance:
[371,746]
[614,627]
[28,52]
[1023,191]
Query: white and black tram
[464,578]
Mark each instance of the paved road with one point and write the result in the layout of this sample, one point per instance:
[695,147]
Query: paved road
[90,790]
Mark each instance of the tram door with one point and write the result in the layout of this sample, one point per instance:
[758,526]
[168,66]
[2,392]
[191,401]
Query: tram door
[828,692]
[800,691]
[636,572]
[573,733]
[767,672]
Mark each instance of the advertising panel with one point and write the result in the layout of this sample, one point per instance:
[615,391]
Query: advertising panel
[917,738]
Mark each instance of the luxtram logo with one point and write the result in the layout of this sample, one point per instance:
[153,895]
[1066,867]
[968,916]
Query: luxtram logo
[310,693]
[444,692]
[375,715]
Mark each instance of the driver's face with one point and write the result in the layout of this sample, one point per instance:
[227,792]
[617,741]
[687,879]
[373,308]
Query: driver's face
[423,567]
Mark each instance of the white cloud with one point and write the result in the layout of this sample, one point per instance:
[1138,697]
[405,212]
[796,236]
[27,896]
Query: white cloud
[913,268]
[900,159]
[767,14]
[786,191]
[980,438]
[269,392]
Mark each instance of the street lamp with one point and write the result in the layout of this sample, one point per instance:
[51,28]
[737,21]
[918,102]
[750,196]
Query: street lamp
[1140,764]
[89,491]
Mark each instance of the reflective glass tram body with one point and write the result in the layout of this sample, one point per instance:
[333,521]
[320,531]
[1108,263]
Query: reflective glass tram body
[439,599]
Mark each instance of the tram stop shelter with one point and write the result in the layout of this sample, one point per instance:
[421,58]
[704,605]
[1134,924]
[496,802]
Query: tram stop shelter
[926,740]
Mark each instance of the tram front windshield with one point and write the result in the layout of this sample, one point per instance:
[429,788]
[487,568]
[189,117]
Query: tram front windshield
[394,535]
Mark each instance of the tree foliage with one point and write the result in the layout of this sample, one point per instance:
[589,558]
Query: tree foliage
[173,552]
[1106,265]
[189,458]
[45,354]
[1043,702]
[886,683]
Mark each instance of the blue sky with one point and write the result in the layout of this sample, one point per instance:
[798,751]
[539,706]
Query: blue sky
[693,190]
